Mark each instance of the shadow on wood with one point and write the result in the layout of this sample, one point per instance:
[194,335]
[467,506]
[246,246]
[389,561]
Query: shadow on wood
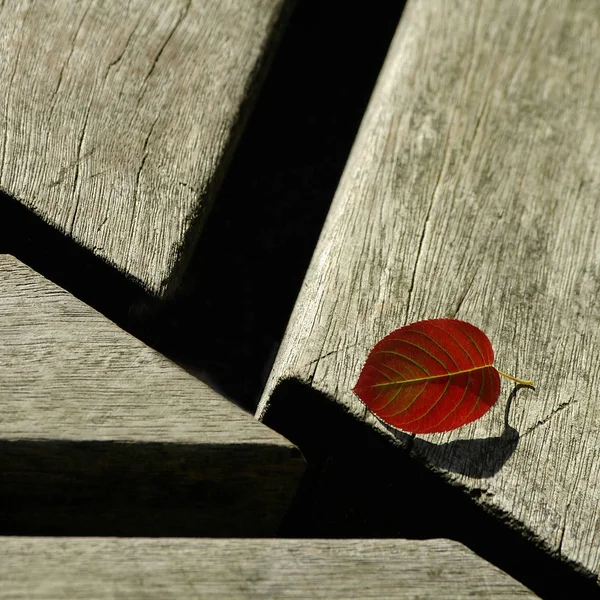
[113,488]
[355,475]
[256,245]
[479,458]
[124,139]
[58,258]
[99,434]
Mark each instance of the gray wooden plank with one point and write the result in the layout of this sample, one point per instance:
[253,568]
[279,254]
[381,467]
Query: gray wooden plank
[117,121]
[99,433]
[471,192]
[248,568]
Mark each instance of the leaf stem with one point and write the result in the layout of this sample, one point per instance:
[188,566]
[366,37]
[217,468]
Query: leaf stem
[519,381]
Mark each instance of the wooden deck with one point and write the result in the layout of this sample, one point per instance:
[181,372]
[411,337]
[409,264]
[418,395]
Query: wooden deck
[240,569]
[102,435]
[117,123]
[471,192]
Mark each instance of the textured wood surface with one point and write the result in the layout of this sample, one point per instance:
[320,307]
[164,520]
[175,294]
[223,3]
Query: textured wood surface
[116,120]
[100,434]
[247,568]
[472,192]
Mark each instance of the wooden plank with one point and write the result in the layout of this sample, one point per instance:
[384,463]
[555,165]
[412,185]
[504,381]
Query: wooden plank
[248,568]
[471,193]
[117,122]
[100,434]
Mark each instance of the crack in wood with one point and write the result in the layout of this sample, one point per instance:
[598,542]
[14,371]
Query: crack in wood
[74,192]
[545,420]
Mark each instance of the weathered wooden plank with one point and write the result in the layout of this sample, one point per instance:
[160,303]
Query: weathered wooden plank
[471,193]
[101,434]
[248,568]
[116,122]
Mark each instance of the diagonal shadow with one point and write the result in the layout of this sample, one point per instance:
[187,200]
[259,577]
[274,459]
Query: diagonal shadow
[60,259]
[229,315]
[478,458]
[359,483]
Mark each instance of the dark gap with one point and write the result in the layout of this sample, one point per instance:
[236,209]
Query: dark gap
[259,238]
[243,279]
[67,488]
[361,485]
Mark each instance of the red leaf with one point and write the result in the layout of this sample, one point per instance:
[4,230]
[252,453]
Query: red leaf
[431,376]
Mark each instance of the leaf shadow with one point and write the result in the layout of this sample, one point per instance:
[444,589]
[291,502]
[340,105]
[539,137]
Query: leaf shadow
[361,484]
[479,458]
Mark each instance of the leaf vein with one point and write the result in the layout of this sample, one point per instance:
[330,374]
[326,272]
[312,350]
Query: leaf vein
[468,355]
[438,345]
[414,362]
[474,342]
[459,402]
[433,405]
[429,377]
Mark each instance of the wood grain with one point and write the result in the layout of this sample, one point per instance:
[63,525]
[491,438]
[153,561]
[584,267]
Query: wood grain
[246,568]
[471,192]
[101,434]
[116,122]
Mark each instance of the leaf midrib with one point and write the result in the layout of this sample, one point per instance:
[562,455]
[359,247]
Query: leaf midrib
[430,377]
